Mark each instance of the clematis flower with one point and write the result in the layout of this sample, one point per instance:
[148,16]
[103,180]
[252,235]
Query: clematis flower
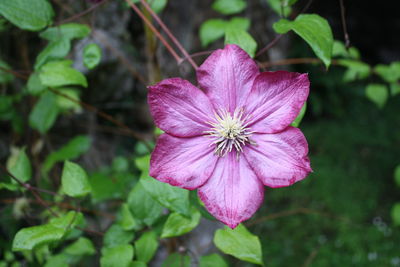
[231,136]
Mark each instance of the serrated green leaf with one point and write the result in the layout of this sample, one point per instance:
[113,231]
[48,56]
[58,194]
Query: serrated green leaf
[60,73]
[242,39]
[91,56]
[146,246]
[81,247]
[377,93]
[74,180]
[119,256]
[5,77]
[397,175]
[72,150]
[31,237]
[177,260]
[143,206]
[356,70]
[19,165]
[212,260]
[177,224]
[116,236]
[54,50]
[68,31]
[31,15]
[396,214]
[299,117]
[34,85]
[239,243]
[229,7]
[44,113]
[315,30]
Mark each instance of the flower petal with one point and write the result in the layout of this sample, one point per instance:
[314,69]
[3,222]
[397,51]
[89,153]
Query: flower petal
[227,76]
[179,108]
[279,159]
[275,100]
[183,162]
[233,193]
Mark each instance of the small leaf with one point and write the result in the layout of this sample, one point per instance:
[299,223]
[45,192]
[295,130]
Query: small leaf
[315,30]
[211,30]
[377,93]
[31,237]
[67,31]
[119,256]
[91,56]
[64,103]
[54,50]
[280,5]
[394,89]
[177,260]
[81,247]
[389,73]
[67,221]
[396,214]
[212,260]
[128,222]
[18,164]
[356,70]
[72,150]
[74,180]
[146,246]
[44,113]
[177,224]
[116,236]
[229,7]
[299,117]
[397,175]
[59,73]
[242,39]
[239,243]
[31,15]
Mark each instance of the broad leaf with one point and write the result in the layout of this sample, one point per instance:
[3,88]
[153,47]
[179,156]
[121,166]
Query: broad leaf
[178,260]
[177,224]
[54,50]
[91,56]
[213,29]
[242,39]
[32,15]
[377,93]
[18,165]
[229,7]
[315,30]
[389,73]
[60,73]
[128,222]
[82,246]
[34,84]
[119,256]
[356,70]
[31,237]
[44,113]
[212,260]
[239,243]
[67,31]
[116,236]
[146,246]
[74,180]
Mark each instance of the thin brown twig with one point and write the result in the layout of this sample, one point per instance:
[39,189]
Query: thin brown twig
[83,13]
[170,35]
[155,31]
[343,17]
[198,54]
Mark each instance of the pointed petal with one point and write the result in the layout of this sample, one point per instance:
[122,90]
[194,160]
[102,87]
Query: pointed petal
[275,100]
[279,159]
[233,193]
[183,162]
[227,76]
[179,108]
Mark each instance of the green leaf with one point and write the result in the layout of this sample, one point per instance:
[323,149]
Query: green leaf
[176,260]
[44,113]
[394,89]
[177,224]
[91,56]
[60,260]
[389,73]
[31,15]
[5,77]
[138,264]
[339,50]
[119,256]
[396,214]
[242,39]
[281,5]
[59,73]
[356,70]
[74,180]
[146,246]
[68,31]
[299,117]
[128,222]
[73,149]
[66,104]
[212,260]
[229,7]
[54,50]
[67,221]
[377,93]
[315,30]
[34,85]
[116,236]
[397,175]
[81,247]
[18,164]
[143,206]
[239,243]
[32,237]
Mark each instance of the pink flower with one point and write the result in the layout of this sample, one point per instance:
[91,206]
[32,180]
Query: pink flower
[233,136]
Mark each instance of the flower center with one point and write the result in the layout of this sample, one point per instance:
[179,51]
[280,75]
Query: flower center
[230,132]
